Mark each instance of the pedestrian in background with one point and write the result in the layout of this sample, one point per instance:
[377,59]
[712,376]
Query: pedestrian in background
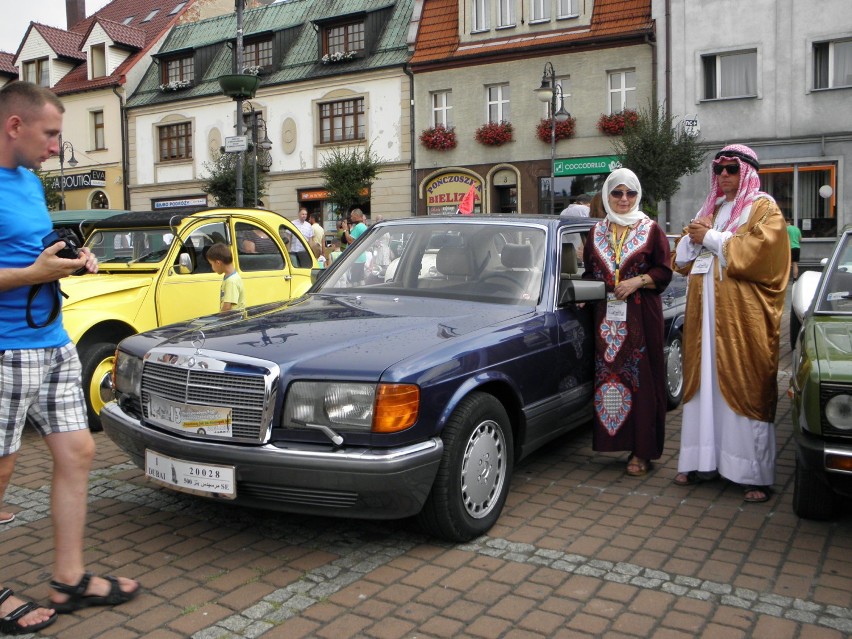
[795,236]
[737,255]
[630,253]
[40,372]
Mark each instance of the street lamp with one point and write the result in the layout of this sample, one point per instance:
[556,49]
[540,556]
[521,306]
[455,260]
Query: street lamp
[548,92]
[257,123]
[72,163]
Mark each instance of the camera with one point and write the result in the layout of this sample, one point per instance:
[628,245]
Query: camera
[70,252]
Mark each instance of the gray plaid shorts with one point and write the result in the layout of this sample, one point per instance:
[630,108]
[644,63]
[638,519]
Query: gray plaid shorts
[44,384]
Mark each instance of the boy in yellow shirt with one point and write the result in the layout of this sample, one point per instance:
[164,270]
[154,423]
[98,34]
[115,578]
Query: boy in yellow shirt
[232,295]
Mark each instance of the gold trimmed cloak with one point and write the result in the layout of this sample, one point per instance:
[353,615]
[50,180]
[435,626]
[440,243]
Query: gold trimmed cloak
[749,304]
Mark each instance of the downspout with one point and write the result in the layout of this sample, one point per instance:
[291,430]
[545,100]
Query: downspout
[668,85]
[124,154]
[412,139]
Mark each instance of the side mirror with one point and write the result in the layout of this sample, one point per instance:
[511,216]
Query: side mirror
[803,292]
[184,265]
[574,291]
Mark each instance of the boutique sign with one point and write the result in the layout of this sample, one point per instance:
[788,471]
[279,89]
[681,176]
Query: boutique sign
[76,181]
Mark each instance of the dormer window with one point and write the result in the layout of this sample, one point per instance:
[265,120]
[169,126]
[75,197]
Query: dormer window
[37,72]
[151,15]
[257,54]
[178,70]
[128,20]
[343,38]
[177,8]
[97,62]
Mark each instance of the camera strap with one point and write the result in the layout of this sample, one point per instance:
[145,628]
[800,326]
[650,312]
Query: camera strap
[55,291]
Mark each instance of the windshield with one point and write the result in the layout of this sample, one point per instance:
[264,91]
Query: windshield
[483,262]
[131,246]
[836,296]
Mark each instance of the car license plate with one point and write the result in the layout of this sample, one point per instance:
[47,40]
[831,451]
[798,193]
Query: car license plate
[203,420]
[189,477]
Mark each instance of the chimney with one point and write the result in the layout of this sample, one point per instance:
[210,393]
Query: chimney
[75,10]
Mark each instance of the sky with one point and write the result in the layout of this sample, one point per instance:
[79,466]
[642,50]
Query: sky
[14,24]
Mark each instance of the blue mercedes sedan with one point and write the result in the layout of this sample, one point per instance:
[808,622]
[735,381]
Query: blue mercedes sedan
[430,358]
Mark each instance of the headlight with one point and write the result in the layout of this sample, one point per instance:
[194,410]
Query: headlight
[352,406]
[838,412]
[127,373]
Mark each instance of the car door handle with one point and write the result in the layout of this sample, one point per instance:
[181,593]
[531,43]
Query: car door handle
[288,277]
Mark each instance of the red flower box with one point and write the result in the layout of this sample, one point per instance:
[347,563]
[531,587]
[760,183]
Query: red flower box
[615,123]
[564,130]
[438,138]
[494,133]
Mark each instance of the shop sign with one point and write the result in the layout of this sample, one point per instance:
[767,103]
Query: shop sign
[586,166]
[322,194]
[179,203]
[77,181]
[445,192]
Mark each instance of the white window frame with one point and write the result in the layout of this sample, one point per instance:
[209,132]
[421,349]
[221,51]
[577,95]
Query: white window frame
[567,9]
[505,13]
[539,11]
[497,103]
[623,92]
[718,77]
[832,60]
[479,18]
[442,108]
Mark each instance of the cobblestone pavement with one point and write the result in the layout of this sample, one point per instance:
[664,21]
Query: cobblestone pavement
[581,550]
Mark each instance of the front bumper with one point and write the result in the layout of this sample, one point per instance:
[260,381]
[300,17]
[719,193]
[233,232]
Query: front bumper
[299,478]
[818,456]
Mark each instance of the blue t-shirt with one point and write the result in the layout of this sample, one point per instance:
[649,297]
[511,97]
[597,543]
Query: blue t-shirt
[24,221]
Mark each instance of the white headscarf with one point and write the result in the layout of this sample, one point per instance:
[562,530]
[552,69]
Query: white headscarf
[629,179]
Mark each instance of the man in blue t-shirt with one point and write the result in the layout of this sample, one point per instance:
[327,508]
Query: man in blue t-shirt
[40,373]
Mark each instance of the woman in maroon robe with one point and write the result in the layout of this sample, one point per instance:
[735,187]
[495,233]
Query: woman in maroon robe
[629,252]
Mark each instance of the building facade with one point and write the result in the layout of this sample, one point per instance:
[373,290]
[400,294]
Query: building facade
[331,77]
[481,61]
[775,75]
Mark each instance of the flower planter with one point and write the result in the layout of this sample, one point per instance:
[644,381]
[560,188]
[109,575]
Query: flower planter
[494,133]
[239,85]
[438,138]
[564,130]
[615,123]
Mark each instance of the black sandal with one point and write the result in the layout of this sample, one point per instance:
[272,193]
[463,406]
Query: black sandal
[765,491]
[9,624]
[77,597]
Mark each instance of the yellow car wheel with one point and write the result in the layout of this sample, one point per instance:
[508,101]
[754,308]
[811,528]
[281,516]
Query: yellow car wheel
[97,361]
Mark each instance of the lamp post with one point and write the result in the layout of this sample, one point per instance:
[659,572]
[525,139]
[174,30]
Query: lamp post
[239,4]
[548,92]
[72,163]
[257,122]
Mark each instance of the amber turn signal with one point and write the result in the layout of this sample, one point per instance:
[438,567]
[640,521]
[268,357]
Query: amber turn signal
[397,406]
[838,462]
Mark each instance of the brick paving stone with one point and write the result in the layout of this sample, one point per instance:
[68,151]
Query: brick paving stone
[462,610]
[343,627]
[586,623]
[389,628]
[634,625]
[442,627]
[488,627]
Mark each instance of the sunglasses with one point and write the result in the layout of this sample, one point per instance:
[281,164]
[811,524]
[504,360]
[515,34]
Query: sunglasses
[618,194]
[732,169]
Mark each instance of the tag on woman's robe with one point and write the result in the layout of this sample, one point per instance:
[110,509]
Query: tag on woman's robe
[702,263]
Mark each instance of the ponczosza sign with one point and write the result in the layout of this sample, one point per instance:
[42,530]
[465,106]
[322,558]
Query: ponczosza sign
[80,180]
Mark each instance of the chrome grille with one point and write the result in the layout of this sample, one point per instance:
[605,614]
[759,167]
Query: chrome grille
[245,393]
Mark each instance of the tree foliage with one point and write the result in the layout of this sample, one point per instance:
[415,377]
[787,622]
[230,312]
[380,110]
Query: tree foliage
[51,195]
[221,179]
[660,152]
[348,174]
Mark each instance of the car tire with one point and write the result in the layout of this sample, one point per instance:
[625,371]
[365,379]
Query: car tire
[475,471]
[795,327]
[674,370]
[812,498]
[97,360]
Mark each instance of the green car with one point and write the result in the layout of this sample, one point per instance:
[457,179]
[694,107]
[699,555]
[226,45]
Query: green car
[822,385]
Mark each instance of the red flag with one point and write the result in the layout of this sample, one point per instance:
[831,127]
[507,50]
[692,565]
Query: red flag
[466,205]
